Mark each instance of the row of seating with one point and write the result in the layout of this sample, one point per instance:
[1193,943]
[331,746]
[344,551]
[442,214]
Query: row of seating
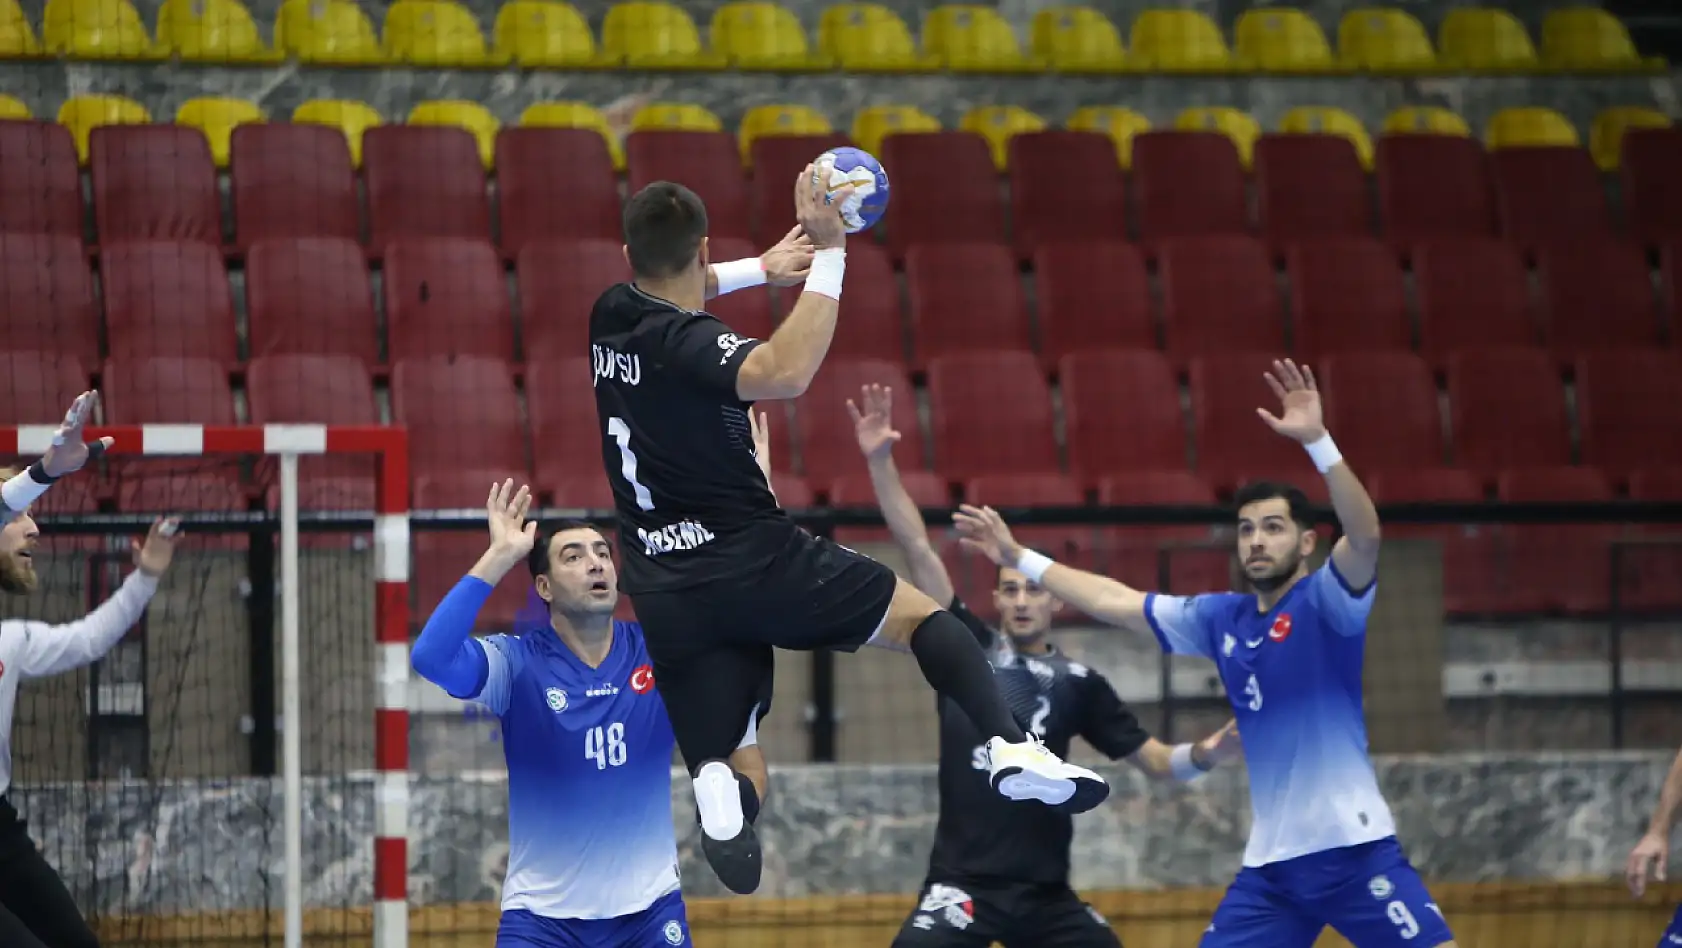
[851,36]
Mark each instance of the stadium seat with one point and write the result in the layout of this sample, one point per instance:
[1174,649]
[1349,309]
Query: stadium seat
[675,117]
[1347,296]
[945,190]
[769,121]
[536,203]
[351,118]
[141,488]
[1179,559]
[1069,543]
[442,558]
[153,182]
[1177,41]
[327,32]
[1384,407]
[1548,194]
[1652,193]
[1240,127]
[1188,184]
[652,34]
[562,404]
[308,388]
[309,295]
[1114,122]
[463,407]
[291,180]
[1423,485]
[1280,39]
[1121,413]
[167,299]
[999,125]
[1477,39]
[560,281]
[964,297]
[43,381]
[166,390]
[968,37]
[1065,187]
[40,188]
[454,113]
[1432,185]
[990,413]
[437,34]
[1596,294]
[824,431]
[854,490]
[1506,410]
[873,328]
[216,118]
[1384,40]
[423,182]
[1233,445]
[874,123]
[1092,295]
[84,113]
[704,161]
[588,491]
[446,296]
[1589,39]
[48,294]
[776,161]
[869,37]
[1629,409]
[1564,568]
[1322,120]
[1310,186]
[791,490]
[545,34]
[1530,127]
[220,31]
[756,36]
[17,39]
[1606,135]
[747,312]
[1473,293]
[1670,276]
[96,29]
[11,107]
[1077,40]
[1426,120]
[1219,295]
[1656,483]
[575,115]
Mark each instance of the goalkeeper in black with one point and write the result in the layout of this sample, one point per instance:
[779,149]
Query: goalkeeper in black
[999,871]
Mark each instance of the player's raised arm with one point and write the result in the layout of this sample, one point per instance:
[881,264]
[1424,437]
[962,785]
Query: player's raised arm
[1651,855]
[787,262]
[873,423]
[1100,597]
[67,454]
[1187,762]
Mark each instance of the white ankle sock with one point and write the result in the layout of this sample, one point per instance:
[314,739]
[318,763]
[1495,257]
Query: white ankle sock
[719,800]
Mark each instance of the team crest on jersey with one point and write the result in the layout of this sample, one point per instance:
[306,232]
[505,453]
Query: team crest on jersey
[673,932]
[642,679]
[557,699]
[953,905]
[1281,628]
[1380,887]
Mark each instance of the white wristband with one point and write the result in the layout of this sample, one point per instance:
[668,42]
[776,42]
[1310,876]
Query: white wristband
[829,266]
[1033,565]
[1182,766]
[738,274]
[22,490]
[1324,453]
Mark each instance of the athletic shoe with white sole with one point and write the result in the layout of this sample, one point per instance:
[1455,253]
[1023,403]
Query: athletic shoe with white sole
[1028,771]
[727,837]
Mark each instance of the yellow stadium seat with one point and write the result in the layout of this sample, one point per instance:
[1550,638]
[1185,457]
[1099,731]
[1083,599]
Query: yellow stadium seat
[999,124]
[974,38]
[675,117]
[434,33]
[212,31]
[458,113]
[652,34]
[1482,40]
[1280,39]
[869,37]
[575,115]
[1606,136]
[97,29]
[327,31]
[763,36]
[1120,124]
[216,118]
[347,115]
[1384,39]
[17,37]
[1588,39]
[1078,40]
[11,107]
[1321,120]
[1529,126]
[545,34]
[1236,125]
[877,122]
[1177,41]
[84,113]
[1426,120]
[765,121]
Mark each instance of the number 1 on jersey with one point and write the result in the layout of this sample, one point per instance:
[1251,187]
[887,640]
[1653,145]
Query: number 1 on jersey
[628,461]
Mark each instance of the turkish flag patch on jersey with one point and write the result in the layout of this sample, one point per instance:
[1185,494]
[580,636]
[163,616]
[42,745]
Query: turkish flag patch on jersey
[1281,629]
[642,679]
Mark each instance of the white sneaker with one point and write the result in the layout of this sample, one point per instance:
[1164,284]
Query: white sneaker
[1028,771]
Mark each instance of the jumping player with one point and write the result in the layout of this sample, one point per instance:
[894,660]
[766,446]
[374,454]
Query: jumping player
[999,872]
[1648,860]
[36,911]
[719,572]
[1322,845]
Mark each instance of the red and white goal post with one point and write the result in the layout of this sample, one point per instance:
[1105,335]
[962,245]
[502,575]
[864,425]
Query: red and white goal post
[390,547]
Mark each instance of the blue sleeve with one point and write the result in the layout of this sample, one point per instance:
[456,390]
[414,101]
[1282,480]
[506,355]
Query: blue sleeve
[1343,608]
[446,653]
[1181,623]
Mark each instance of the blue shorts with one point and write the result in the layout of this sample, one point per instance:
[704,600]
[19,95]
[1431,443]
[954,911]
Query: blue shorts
[1369,893]
[664,924]
[1672,937]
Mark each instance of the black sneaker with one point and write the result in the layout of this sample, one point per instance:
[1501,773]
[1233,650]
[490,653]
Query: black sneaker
[737,861]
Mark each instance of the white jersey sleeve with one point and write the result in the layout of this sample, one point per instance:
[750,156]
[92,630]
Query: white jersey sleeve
[1342,609]
[49,649]
[1181,623]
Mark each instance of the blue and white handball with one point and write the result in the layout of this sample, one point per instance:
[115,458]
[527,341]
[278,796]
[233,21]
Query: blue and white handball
[852,166]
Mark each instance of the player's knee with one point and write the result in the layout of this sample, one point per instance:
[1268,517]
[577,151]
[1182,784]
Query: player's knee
[910,608]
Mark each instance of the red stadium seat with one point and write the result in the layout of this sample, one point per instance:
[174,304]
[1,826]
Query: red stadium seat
[46,295]
[778,415]
[824,430]
[1043,489]
[1065,188]
[1219,295]
[561,401]
[1473,294]
[167,299]
[748,311]
[1188,184]
[40,187]
[945,190]
[423,181]
[308,388]
[292,180]
[991,414]
[1423,485]
[560,281]
[1433,186]
[446,296]
[1310,186]
[777,160]
[1347,296]
[1565,566]
[1596,294]
[1656,483]
[166,390]
[964,298]
[1121,412]
[1179,559]
[555,183]
[707,163]
[1145,488]
[1507,409]
[1092,295]
[588,491]
[1383,405]
[792,491]
[1472,568]
[927,489]
[1652,192]
[443,557]
[142,490]
[1629,409]
[1670,277]
[310,295]
[153,182]
[1548,194]
[1232,443]
[41,385]
[872,328]
[455,408]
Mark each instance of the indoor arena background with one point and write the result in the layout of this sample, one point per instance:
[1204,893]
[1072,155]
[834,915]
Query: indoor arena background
[1436,206]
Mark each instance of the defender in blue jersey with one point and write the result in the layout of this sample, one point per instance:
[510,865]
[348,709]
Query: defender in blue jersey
[1648,860]
[592,859]
[1322,845]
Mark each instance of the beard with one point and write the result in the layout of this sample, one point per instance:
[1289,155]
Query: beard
[1278,576]
[17,575]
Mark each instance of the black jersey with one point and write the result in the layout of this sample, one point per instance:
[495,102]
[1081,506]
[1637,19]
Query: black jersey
[693,504]
[982,836]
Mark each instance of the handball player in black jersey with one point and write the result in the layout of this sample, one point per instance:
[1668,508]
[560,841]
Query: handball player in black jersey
[717,572]
[999,872]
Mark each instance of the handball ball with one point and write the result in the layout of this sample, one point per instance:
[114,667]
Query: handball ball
[843,166]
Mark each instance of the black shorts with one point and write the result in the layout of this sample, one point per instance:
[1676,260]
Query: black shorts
[1016,915]
[711,644]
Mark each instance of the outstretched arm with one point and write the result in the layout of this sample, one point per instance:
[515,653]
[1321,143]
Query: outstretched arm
[67,453]
[1650,856]
[785,264]
[1102,598]
[874,425]
[1187,762]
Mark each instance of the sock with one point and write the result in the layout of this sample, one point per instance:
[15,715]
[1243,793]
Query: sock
[750,799]
[955,665]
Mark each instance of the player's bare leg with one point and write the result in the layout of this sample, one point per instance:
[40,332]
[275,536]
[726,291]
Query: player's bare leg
[955,666]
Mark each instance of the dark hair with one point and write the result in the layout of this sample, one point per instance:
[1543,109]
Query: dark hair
[1301,512]
[664,225]
[538,559]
